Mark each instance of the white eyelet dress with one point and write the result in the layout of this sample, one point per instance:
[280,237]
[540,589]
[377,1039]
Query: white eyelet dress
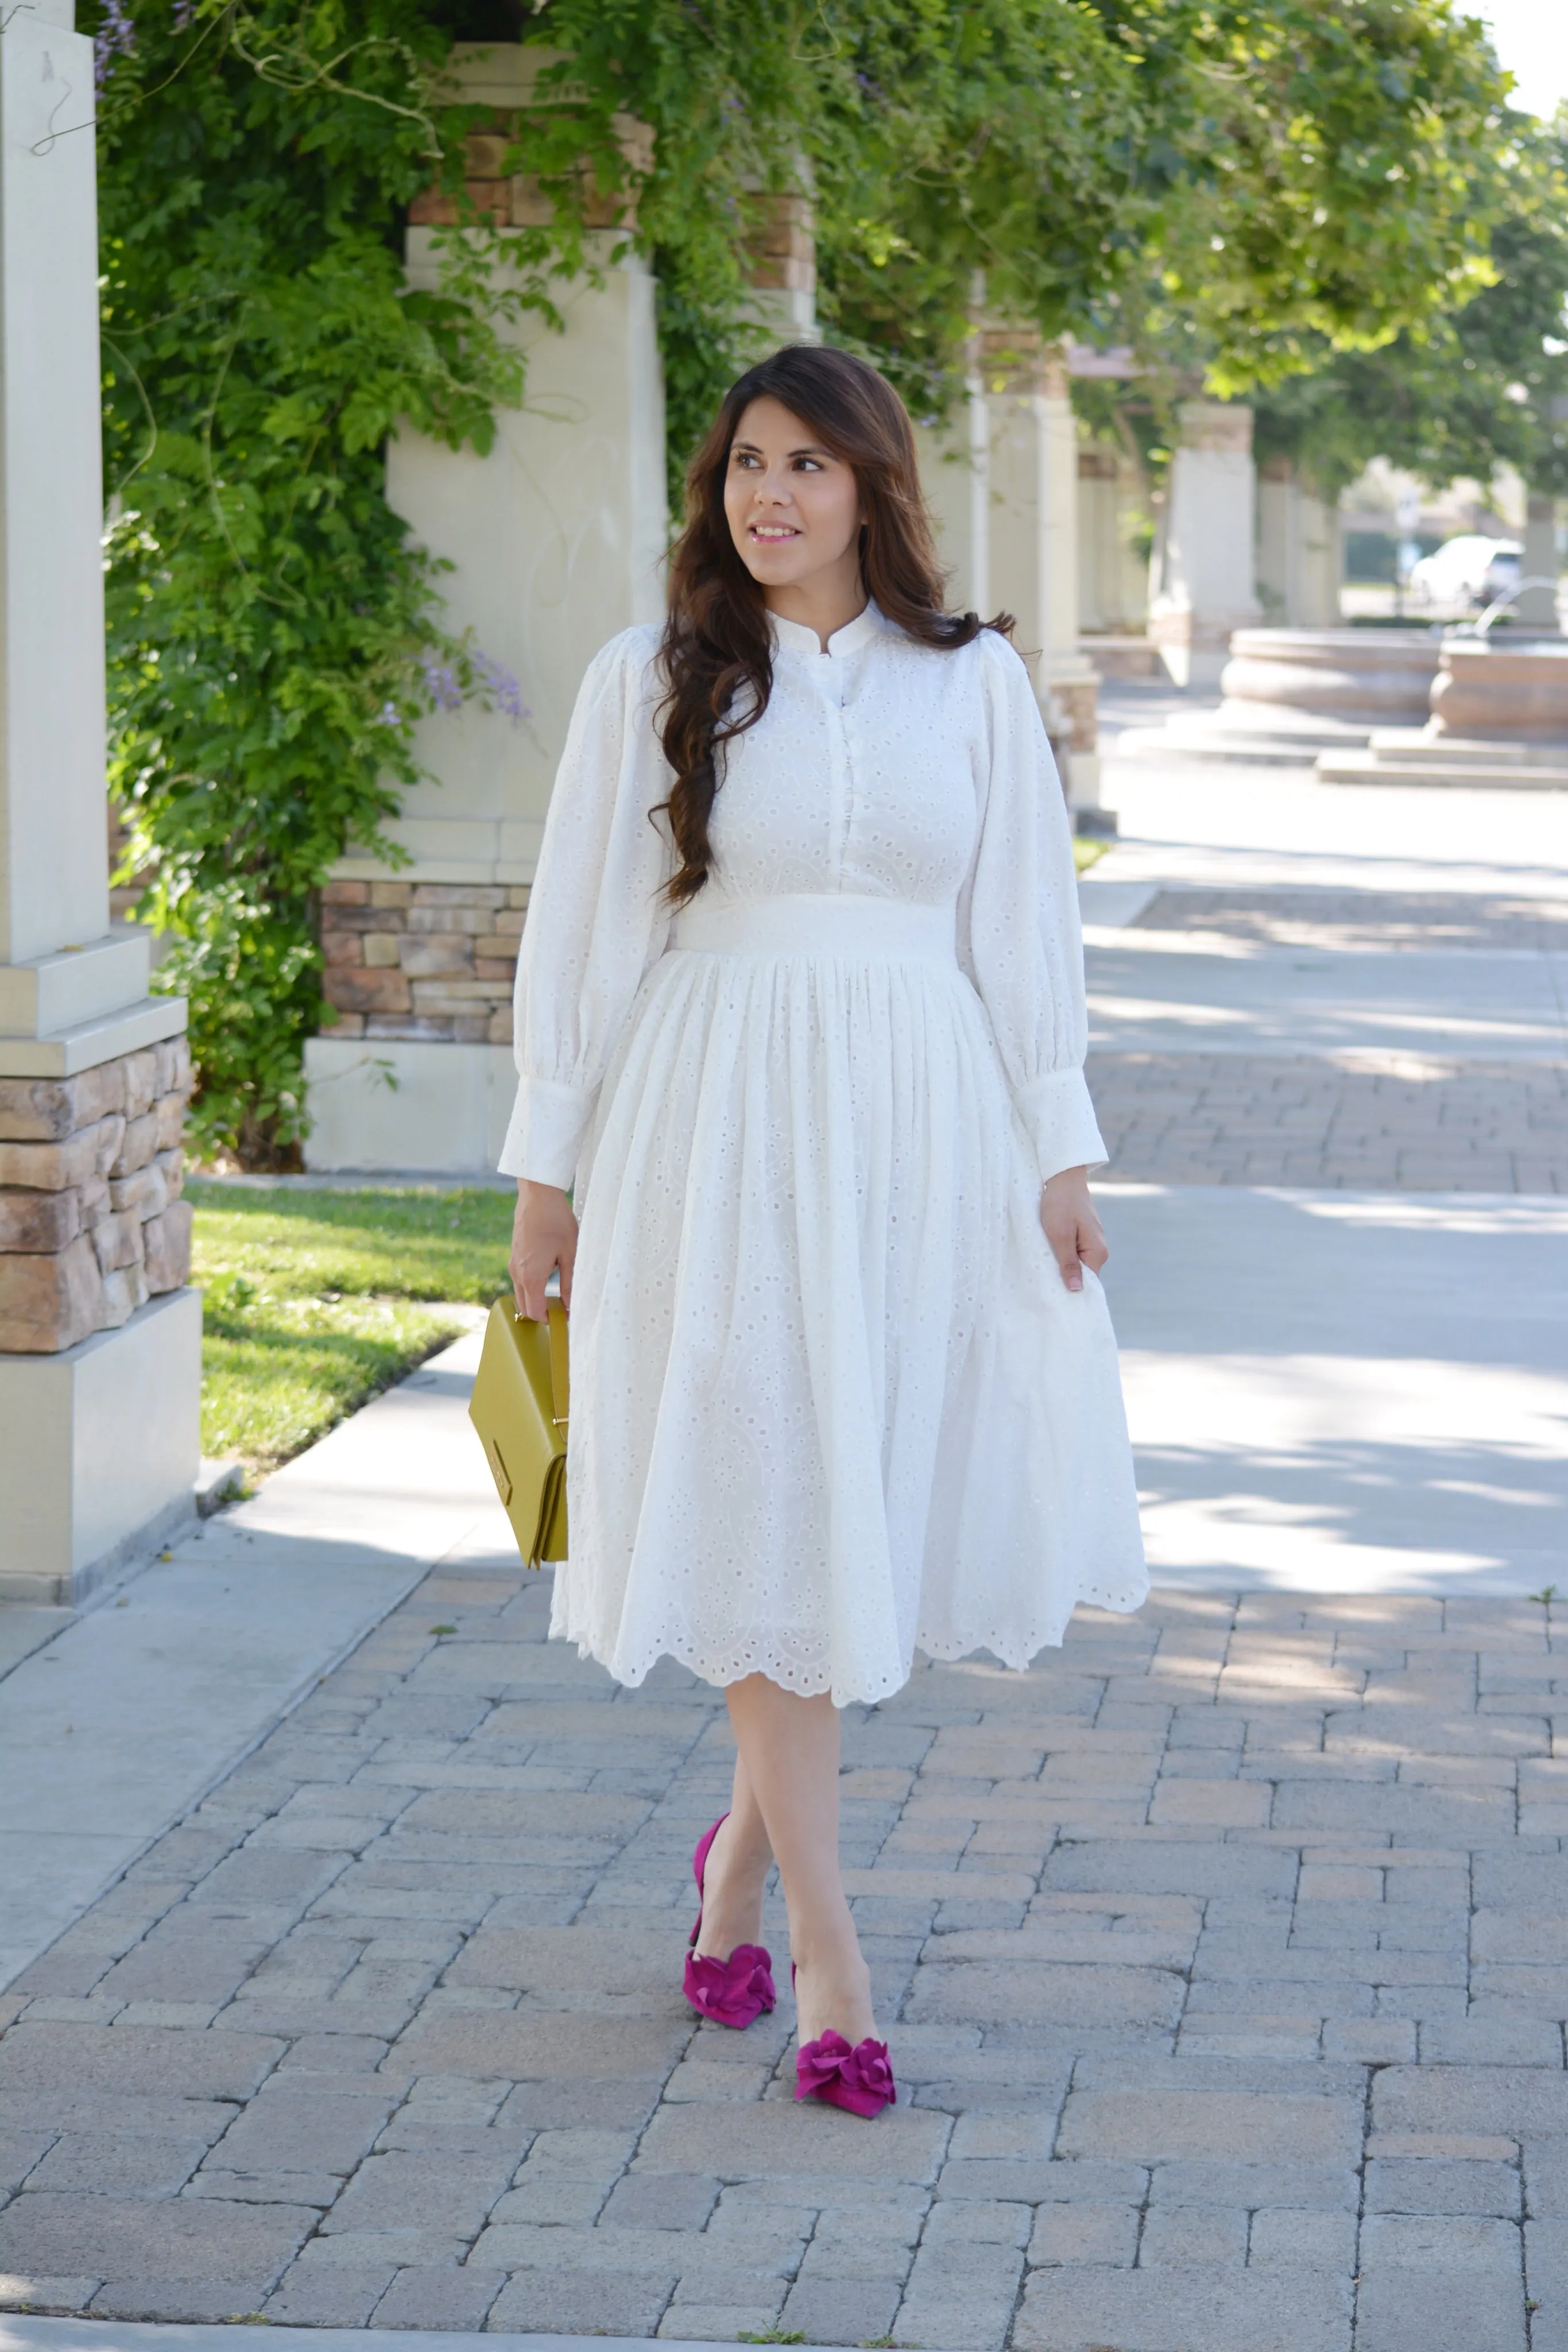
[831,1401]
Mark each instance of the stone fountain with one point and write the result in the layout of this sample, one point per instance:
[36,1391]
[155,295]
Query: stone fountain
[1291,694]
[1499,721]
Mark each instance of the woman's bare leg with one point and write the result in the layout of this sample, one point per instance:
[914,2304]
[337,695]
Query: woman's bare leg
[735,1875]
[788,1768]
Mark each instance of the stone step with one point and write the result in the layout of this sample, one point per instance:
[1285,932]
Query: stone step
[1376,768]
[1252,751]
[1418,745]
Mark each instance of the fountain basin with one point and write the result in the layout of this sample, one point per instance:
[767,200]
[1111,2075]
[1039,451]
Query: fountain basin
[1517,693]
[1375,676]
[1292,693]
[1498,723]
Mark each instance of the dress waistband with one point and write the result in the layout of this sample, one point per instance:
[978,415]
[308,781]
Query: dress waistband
[816,922]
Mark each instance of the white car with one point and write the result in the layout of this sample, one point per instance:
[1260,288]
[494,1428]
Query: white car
[1470,570]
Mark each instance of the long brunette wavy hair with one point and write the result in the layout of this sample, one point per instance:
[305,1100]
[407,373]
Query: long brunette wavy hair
[717,655]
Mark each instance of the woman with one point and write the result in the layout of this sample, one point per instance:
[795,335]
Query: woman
[800,1015]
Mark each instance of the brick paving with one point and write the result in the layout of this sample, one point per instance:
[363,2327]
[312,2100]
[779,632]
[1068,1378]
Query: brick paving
[1364,1121]
[1222,1955]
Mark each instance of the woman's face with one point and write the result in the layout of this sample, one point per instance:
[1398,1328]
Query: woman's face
[793,509]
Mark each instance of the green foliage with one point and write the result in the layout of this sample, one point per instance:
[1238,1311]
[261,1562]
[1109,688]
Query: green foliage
[1339,172]
[273,632]
[1478,387]
[960,137]
[1248,178]
[310,1301]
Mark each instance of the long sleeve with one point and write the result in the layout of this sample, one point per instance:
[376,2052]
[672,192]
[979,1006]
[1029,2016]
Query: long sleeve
[1019,934]
[595,922]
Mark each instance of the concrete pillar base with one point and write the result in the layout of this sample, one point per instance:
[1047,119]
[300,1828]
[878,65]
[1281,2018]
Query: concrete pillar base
[98,1452]
[1070,688]
[384,1104]
[1195,648]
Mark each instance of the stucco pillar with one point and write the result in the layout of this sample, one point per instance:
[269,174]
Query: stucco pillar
[99,1336]
[1297,551]
[1201,581]
[1112,582]
[1032,541]
[1539,562]
[956,476]
[556,539]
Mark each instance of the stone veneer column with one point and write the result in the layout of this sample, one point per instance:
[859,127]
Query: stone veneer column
[1202,576]
[556,539]
[1032,541]
[784,271]
[1298,559]
[99,1338]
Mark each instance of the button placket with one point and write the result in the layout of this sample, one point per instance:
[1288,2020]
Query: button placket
[840,780]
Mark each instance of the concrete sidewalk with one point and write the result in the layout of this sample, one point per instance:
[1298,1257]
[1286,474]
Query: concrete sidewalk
[1335,1392]
[24,2333]
[114,1720]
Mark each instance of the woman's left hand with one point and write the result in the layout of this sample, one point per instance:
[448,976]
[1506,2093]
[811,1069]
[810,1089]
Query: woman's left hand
[1071,1225]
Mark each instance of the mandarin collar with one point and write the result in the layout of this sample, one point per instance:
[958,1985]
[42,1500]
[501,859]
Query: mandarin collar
[793,636]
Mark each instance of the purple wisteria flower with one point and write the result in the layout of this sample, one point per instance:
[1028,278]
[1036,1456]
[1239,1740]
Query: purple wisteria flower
[440,684]
[116,38]
[502,688]
[491,679]
[183,12]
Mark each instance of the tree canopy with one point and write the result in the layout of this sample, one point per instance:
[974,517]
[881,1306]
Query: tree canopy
[1472,389]
[1272,174]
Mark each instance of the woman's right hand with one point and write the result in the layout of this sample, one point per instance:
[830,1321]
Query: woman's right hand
[544,1236]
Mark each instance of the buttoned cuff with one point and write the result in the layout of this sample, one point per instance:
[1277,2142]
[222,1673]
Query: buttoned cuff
[544,1139]
[1060,1117]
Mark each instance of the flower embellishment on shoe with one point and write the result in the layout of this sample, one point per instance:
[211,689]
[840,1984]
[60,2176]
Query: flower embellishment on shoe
[860,2080]
[733,1991]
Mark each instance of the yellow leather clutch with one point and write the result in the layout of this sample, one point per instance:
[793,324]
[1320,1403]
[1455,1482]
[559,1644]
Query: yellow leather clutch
[519,1406]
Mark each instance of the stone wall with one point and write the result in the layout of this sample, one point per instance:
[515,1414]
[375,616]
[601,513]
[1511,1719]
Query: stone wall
[92,1221]
[423,958]
[782,248]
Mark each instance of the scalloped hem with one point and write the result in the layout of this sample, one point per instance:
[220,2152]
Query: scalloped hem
[1016,1656]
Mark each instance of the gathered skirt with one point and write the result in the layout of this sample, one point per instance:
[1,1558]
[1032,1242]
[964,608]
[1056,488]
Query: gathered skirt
[831,1401]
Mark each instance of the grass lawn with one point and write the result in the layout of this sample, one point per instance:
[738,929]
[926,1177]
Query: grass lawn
[1086,850]
[315,1301]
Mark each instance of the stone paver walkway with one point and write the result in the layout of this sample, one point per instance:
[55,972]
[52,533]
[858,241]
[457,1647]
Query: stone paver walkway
[1366,1118]
[1222,1956]
[1371,1123]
